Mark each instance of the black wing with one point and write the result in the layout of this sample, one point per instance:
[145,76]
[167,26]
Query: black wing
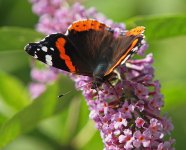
[56,50]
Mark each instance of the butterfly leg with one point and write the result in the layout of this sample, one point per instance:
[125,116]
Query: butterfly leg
[110,84]
[115,103]
[97,91]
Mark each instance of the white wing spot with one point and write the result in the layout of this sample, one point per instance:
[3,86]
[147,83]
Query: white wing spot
[44,48]
[48,59]
[52,48]
[135,49]
[67,32]
[127,57]
[35,56]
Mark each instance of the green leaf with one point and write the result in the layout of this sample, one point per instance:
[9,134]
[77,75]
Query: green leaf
[43,107]
[160,27]
[3,118]
[13,94]
[175,94]
[14,16]
[15,38]
[175,105]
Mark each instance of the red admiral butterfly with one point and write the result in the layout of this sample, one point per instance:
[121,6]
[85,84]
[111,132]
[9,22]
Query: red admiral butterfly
[88,48]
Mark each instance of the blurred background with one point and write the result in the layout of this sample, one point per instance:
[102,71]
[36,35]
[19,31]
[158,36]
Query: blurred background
[70,127]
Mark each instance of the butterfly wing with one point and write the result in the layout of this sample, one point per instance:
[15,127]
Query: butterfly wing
[56,50]
[125,46]
[87,47]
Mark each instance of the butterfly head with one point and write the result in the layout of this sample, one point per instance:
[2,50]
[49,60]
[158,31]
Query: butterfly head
[97,82]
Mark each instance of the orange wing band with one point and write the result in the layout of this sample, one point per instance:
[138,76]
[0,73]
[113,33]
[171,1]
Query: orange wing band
[60,43]
[85,25]
[136,31]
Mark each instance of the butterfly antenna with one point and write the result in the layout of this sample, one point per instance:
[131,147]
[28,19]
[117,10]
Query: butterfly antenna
[61,95]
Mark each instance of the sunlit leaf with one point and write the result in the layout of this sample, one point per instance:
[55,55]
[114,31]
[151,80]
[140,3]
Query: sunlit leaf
[160,27]
[12,92]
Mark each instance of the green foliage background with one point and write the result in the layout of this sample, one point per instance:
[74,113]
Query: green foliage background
[50,124]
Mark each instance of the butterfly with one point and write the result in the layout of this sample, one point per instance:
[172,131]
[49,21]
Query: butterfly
[88,48]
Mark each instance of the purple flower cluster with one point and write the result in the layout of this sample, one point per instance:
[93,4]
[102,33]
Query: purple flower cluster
[57,15]
[41,77]
[127,114]
[133,122]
